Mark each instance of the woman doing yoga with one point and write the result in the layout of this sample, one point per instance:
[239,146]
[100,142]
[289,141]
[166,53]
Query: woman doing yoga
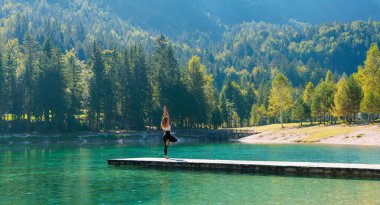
[165,125]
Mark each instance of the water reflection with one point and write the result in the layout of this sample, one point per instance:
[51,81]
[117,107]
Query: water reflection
[164,189]
[78,174]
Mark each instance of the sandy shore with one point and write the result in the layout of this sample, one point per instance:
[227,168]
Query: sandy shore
[332,134]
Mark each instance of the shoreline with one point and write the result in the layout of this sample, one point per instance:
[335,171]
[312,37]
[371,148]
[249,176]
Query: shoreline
[354,135]
[363,135]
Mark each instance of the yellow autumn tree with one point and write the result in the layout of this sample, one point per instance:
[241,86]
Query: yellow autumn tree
[369,78]
[280,99]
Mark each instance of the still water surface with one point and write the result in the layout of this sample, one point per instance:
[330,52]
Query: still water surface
[73,173]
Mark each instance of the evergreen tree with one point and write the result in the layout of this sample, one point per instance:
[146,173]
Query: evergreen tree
[12,87]
[97,89]
[223,107]
[30,77]
[43,86]
[56,84]
[258,113]
[2,94]
[322,103]
[329,100]
[75,88]
[255,117]
[215,119]
[200,89]
[355,95]
[299,111]
[139,73]
[235,119]
[307,99]
[168,78]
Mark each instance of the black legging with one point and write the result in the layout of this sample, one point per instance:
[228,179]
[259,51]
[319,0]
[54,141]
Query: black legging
[168,136]
[166,149]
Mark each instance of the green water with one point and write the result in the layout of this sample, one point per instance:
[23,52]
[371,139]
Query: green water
[72,173]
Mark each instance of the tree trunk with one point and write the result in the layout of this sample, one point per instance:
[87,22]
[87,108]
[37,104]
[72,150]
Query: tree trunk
[46,120]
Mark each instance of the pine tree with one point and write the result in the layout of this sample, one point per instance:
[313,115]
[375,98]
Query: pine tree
[307,99]
[13,89]
[299,111]
[57,97]
[168,78]
[329,100]
[75,88]
[30,77]
[97,92]
[254,115]
[235,119]
[197,86]
[322,103]
[43,87]
[139,73]
[223,108]
[215,119]
[354,95]
[2,94]
[126,87]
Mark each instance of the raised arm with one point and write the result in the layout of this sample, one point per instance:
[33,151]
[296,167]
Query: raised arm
[166,114]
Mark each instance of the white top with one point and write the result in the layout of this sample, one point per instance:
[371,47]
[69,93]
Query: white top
[168,128]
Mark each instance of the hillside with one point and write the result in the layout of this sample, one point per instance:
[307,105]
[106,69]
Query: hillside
[67,23]
[173,17]
[286,44]
[187,20]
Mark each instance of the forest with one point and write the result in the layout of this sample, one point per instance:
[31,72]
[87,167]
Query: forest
[65,71]
[43,89]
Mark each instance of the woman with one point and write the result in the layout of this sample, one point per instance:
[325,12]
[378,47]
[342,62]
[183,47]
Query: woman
[165,125]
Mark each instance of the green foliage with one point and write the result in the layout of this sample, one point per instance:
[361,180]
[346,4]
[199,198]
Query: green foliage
[200,89]
[235,119]
[97,89]
[258,114]
[280,99]
[300,111]
[355,95]
[323,99]
[369,77]
[228,81]
[341,104]
[308,93]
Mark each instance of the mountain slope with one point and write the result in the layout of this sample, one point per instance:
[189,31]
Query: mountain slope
[67,23]
[174,17]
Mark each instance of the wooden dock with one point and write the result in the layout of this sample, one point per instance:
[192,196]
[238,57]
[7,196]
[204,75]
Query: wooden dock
[371,171]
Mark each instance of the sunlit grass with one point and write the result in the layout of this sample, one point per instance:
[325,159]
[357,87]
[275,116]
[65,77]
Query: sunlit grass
[313,133]
[321,132]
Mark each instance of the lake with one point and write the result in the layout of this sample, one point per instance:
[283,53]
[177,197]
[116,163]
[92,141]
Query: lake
[69,172]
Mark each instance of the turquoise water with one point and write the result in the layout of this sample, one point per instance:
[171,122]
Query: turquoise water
[71,173]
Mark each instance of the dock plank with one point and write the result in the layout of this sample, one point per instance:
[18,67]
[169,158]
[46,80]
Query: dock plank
[271,167]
